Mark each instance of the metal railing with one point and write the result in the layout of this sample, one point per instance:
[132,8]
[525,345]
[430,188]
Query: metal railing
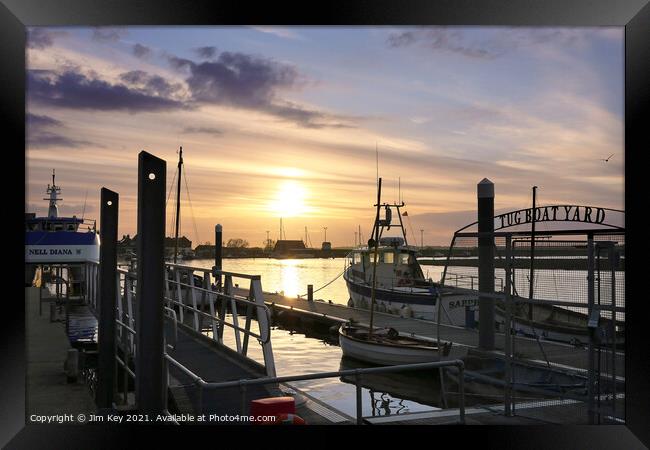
[220,298]
[460,280]
[356,373]
[179,294]
[189,299]
[181,291]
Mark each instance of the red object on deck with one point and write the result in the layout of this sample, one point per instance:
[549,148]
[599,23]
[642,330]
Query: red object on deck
[272,406]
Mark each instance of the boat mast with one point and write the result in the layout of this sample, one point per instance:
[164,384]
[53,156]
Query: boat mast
[532,257]
[53,191]
[178,202]
[374,266]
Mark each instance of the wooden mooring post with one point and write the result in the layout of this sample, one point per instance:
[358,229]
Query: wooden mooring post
[106,364]
[150,386]
[485,194]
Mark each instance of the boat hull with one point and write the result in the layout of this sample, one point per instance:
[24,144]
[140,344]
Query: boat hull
[61,247]
[392,355]
[418,303]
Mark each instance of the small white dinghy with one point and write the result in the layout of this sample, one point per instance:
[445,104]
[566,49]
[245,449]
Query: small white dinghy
[386,347]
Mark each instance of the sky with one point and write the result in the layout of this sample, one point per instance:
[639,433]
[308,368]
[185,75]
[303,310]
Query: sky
[287,122]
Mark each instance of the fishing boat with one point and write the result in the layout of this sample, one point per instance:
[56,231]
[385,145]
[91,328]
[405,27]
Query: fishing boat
[57,240]
[400,285]
[386,346]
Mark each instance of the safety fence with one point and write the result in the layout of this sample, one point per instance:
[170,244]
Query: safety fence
[559,318]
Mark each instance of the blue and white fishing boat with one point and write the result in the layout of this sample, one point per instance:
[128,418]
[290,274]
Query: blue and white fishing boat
[400,285]
[52,239]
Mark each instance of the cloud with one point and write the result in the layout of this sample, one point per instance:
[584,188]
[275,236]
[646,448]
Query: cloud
[109,34]
[37,121]
[202,130]
[484,43]
[151,84]
[285,33]
[141,51]
[40,38]
[244,81]
[206,52]
[40,134]
[78,91]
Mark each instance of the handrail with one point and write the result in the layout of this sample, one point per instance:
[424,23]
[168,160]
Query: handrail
[264,340]
[202,384]
[213,271]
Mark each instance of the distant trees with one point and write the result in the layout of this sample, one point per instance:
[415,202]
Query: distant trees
[237,243]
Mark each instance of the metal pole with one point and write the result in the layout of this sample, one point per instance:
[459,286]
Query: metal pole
[218,242]
[374,266]
[150,367]
[531,279]
[178,202]
[310,292]
[613,265]
[357,382]
[590,349]
[108,293]
[485,195]
[508,327]
[461,389]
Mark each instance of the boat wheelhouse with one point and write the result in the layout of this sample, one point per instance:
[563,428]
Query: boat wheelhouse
[400,285]
[52,239]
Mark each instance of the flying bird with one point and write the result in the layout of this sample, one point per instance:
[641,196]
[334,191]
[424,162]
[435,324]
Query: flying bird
[607,160]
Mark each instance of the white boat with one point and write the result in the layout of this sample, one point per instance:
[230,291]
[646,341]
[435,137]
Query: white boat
[386,347]
[52,239]
[400,286]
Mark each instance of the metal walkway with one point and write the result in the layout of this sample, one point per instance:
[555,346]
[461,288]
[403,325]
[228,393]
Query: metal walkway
[561,354]
[213,363]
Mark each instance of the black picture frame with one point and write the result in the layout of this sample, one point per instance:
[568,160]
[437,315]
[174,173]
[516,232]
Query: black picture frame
[634,15]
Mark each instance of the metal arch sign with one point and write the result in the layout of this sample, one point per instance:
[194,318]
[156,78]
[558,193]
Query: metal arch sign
[556,213]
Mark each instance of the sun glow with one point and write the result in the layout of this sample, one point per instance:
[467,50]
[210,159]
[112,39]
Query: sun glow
[289,200]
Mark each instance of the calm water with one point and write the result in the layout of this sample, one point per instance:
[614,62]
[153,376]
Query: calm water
[291,276]
[296,354]
[390,394]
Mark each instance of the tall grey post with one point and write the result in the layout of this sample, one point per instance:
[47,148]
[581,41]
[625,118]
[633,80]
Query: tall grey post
[485,194]
[107,295]
[149,382]
[218,241]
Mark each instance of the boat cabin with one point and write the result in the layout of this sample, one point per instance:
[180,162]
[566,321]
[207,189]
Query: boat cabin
[33,223]
[397,266]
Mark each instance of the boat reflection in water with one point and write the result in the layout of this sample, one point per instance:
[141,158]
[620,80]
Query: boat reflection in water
[390,391]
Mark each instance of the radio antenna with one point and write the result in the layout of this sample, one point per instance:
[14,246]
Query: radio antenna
[83,211]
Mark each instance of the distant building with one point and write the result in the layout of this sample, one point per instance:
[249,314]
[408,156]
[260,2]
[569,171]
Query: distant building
[291,249]
[128,245]
[204,251]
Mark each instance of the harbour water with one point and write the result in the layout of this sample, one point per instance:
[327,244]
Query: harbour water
[291,276]
[296,353]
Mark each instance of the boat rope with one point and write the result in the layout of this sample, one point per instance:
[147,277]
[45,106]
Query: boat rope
[171,188]
[325,285]
[189,200]
[411,227]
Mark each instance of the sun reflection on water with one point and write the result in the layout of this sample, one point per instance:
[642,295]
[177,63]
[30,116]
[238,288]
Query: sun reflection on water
[289,277]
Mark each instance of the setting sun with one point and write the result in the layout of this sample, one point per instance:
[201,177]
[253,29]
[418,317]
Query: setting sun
[289,200]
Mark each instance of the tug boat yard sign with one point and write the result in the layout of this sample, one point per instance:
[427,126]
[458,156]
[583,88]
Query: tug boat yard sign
[559,213]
